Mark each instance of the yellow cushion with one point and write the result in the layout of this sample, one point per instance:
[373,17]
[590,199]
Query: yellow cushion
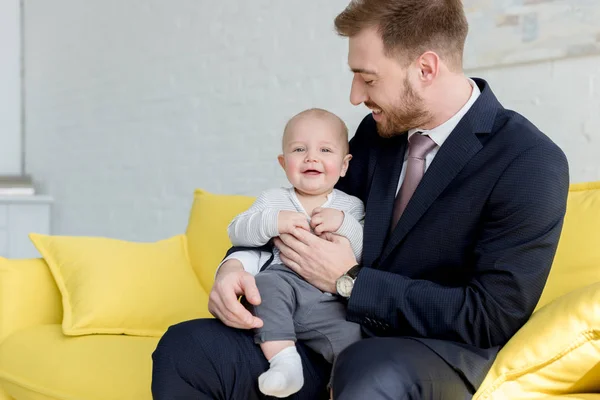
[577,260]
[557,352]
[119,287]
[207,231]
[4,395]
[28,296]
[42,363]
[578,396]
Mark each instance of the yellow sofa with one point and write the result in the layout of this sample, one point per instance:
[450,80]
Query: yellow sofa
[556,355]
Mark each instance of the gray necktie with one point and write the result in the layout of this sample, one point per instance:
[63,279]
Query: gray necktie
[418,147]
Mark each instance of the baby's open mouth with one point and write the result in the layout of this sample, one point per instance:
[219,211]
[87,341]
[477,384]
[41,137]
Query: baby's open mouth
[312,172]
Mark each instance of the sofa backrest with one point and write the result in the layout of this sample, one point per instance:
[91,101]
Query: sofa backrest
[577,261]
[207,231]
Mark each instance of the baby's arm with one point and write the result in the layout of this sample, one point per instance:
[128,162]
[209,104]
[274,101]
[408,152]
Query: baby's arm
[256,226]
[352,227]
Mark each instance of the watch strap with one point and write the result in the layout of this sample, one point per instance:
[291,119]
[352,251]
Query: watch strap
[353,272]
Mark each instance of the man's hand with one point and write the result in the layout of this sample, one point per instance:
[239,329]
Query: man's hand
[326,220]
[230,283]
[287,221]
[319,260]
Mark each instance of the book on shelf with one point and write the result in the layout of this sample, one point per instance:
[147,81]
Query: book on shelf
[16,185]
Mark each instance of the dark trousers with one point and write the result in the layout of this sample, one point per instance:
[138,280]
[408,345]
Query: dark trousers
[204,359]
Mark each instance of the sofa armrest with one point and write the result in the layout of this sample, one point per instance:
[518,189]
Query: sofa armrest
[28,295]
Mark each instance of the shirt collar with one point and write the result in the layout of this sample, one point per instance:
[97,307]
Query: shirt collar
[440,133]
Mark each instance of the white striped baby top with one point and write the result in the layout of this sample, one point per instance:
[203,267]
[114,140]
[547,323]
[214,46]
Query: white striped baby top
[258,225]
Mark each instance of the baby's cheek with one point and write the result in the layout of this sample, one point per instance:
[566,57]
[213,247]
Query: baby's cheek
[333,169]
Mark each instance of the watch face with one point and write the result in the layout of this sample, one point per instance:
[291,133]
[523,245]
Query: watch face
[344,286]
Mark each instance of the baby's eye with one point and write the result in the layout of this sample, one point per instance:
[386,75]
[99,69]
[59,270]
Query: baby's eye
[298,150]
[325,150]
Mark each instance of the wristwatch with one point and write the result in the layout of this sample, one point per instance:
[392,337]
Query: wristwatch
[345,283]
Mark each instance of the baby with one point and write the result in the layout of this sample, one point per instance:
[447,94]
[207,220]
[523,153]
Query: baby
[315,156]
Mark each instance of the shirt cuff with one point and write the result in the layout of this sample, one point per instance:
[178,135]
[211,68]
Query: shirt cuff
[251,260]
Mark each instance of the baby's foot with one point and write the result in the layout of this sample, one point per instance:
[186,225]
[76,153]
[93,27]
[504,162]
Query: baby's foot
[285,376]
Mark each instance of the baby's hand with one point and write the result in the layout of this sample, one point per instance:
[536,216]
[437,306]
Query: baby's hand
[288,220]
[326,220]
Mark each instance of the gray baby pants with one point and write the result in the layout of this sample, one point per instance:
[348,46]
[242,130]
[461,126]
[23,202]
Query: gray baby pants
[293,309]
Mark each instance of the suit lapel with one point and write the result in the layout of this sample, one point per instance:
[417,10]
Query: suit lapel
[382,193]
[457,150]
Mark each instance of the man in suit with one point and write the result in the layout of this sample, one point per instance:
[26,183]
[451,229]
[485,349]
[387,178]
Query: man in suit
[464,206]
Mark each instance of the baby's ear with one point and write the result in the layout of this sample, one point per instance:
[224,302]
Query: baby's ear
[345,164]
[281,160]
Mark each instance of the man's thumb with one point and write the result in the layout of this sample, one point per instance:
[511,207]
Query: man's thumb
[250,289]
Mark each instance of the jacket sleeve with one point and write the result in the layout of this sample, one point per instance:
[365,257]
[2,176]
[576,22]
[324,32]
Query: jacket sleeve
[256,226]
[513,256]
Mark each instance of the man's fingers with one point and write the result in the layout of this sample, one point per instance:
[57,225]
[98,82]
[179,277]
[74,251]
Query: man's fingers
[250,289]
[214,306]
[288,252]
[218,309]
[304,239]
[223,301]
[232,312]
[290,264]
[281,244]
[238,315]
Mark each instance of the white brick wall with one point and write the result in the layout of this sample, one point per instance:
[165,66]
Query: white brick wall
[563,99]
[130,105]
[10,88]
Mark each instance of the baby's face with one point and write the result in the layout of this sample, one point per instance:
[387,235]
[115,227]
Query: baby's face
[314,155]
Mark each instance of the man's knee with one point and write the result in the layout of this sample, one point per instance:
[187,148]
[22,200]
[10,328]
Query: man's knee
[184,350]
[184,345]
[365,366]
[394,368]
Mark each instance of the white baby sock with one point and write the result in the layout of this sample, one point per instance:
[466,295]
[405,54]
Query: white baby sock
[285,376]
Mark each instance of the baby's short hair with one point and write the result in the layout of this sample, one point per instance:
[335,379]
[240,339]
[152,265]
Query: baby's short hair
[323,114]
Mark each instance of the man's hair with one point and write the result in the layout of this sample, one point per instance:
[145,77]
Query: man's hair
[322,114]
[408,28]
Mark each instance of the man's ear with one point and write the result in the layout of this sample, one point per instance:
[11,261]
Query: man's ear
[345,164]
[281,160]
[429,66]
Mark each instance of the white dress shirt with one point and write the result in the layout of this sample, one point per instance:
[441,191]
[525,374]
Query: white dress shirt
[440,133]
[252,260]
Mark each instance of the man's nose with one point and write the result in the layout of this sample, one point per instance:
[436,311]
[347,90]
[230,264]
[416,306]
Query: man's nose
[358,94]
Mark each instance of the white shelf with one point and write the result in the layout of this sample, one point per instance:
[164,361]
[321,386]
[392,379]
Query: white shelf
[26,199]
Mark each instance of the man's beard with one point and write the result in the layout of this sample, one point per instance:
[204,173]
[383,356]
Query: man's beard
[411,113]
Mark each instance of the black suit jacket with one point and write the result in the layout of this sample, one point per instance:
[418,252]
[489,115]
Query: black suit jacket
[466,264]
